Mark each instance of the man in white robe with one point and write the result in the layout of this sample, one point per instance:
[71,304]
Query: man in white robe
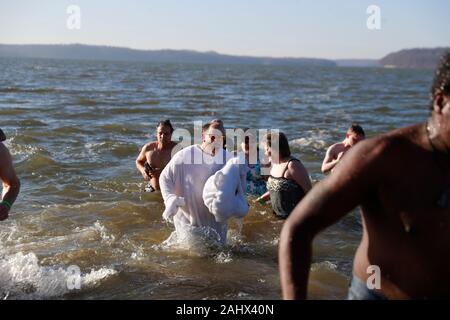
[183,179]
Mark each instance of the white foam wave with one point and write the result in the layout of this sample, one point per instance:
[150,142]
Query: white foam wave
[324,266]
[16,243]
[309,142]
[22,277]
[106,237]
[223,257]
[316,139]
[17,149]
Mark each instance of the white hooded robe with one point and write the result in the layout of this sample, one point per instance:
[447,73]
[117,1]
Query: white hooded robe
[182,182]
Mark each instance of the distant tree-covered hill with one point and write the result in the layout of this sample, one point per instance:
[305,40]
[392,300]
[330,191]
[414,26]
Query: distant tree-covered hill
[87,52]
[414,58]
[408,58]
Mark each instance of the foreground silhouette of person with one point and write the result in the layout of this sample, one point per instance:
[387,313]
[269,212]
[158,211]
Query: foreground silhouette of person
[401,180]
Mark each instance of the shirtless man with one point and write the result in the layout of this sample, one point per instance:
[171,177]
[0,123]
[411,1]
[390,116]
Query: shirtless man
[334,153]
[11,184]
[401,180]
[156,154]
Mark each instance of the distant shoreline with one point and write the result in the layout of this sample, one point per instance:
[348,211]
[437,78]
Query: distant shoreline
[404,59]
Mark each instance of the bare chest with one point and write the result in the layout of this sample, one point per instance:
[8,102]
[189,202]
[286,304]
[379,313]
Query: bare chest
[418,204]
[158,158]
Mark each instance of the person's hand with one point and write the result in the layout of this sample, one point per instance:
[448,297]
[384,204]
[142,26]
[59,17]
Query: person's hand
[259,200]
[154,172]
[146,176]
[4,211]
[172,206]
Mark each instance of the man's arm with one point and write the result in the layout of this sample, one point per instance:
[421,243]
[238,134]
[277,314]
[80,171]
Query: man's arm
[325,204]
[330,160]
[11,184]
[141,159]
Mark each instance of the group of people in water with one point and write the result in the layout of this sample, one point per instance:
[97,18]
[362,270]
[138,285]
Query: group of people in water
[401,181]
[287,183]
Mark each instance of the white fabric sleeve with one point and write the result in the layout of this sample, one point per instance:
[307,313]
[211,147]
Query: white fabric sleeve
[167,183]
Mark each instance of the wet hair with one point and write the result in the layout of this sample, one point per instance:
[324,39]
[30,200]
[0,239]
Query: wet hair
[206,126]
[217,123]
[441,82]
[165,123]
[285,151]
[356,128]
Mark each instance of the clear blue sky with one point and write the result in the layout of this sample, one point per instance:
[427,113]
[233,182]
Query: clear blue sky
[295,28]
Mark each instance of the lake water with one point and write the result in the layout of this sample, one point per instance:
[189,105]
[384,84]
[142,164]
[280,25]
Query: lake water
[74,129]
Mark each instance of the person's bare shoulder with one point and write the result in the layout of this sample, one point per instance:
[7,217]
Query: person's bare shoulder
[396,144]
[173,144]
[335,148]
[295,165]
[410,134]
[3,150]
[150,146]
[5,157]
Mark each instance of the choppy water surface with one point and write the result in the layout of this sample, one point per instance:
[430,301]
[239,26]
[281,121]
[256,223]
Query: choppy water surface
[75,128]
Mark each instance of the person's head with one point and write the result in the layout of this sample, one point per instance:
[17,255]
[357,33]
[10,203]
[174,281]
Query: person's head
[213,133]
[440,98]
[217,122]
[280,151]
[354,134]
[164,131]
[440,90]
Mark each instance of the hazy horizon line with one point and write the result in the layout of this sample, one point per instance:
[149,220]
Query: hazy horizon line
[208,51]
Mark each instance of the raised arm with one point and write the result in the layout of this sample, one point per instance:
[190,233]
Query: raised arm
[11,184]
[326,203]
[330,161]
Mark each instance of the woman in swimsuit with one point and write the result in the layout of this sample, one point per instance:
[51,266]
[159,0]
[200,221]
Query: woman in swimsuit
[288,181]
[256,182]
